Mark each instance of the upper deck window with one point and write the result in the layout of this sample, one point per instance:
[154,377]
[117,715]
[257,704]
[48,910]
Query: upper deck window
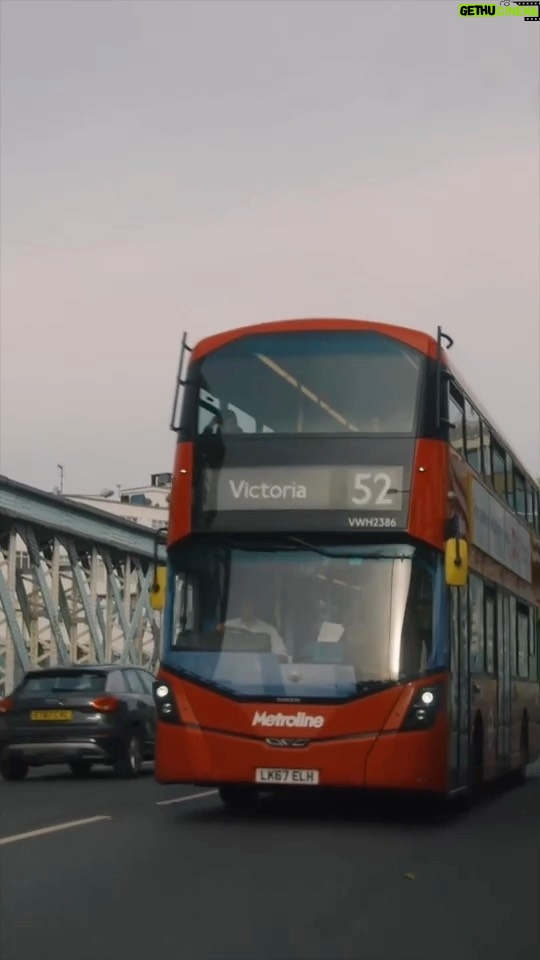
[486,452]
[498,459]
[457,421]
[310,382]
[473,435]
[520,494]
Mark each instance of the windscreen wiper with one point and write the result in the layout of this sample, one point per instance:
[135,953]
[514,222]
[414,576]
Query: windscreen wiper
[297,543]
[345,556]
[306,545]
[280,543]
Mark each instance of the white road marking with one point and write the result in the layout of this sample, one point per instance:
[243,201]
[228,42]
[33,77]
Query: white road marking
[55,829]
[190,796]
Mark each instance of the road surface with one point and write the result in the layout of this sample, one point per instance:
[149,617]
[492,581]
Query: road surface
[150,872]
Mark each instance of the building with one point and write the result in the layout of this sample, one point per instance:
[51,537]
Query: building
[147,505]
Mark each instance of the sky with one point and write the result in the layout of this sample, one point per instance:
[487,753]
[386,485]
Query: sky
[170,166]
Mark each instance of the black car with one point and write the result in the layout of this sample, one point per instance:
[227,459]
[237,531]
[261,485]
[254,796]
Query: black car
[80,716]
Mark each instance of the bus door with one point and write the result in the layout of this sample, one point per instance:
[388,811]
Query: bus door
[461,692]
[504,688]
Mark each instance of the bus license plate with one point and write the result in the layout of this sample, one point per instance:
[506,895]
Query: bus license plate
[271,775]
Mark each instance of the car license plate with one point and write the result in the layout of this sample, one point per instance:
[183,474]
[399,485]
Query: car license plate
[271,775]
[51,715]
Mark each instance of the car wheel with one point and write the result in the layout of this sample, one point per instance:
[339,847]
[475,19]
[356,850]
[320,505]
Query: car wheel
[13,768]
[130,763]
[80,768]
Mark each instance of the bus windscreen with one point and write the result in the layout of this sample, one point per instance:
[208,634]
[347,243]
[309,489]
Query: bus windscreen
[296,623]
[329,382]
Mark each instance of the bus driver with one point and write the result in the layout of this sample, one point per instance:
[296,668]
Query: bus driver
[248,620]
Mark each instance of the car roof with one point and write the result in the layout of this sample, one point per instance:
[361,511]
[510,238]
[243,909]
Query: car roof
[83,667]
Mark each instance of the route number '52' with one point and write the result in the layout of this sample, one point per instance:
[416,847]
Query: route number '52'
[373,488]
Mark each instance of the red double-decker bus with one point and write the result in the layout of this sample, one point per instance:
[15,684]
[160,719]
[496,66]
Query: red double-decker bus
[353,581]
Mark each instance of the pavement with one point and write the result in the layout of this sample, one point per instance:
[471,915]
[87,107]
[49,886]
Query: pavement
[109,869]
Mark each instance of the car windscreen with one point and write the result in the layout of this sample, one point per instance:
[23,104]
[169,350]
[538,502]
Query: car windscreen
[52,683]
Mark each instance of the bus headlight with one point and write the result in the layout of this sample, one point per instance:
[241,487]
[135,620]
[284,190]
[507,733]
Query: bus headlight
[423,710]
[165,702]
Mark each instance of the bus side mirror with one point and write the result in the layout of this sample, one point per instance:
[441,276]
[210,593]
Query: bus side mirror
[456,562]
[158,588]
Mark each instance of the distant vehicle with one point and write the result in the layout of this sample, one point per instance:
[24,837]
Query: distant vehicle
[353,584]
[79,715]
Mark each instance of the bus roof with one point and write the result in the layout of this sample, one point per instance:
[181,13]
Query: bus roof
[416,339]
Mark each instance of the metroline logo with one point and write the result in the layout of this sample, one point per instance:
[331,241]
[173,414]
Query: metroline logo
[264,719]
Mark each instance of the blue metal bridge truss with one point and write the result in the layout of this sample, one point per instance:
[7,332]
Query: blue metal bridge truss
[74,585]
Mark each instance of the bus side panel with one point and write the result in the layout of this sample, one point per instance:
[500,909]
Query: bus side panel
[429,489]
[181,493]
[516,717]
[534,722]
[484,702]
[411,761]
[525,701]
